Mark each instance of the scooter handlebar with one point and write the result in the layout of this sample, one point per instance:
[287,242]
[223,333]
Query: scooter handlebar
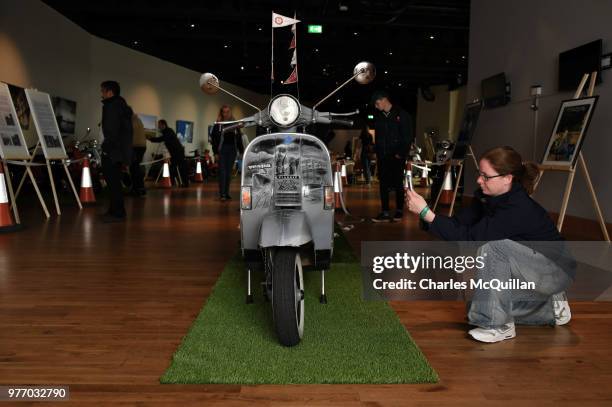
[342,122]
[232,127]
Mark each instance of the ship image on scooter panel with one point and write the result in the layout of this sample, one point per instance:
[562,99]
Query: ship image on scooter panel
[287,200]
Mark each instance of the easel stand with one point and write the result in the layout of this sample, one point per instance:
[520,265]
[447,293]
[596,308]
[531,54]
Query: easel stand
[572,172]
[28,172]
[51,180]
[461,165]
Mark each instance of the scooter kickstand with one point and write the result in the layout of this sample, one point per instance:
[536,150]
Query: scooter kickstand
[323,298]
[249,298]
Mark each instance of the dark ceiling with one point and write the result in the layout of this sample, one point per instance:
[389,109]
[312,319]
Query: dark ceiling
[412,43]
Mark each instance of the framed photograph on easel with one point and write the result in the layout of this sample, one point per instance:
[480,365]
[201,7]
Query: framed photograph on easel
[568,134]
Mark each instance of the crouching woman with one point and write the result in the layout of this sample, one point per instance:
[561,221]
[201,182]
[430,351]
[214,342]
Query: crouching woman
[522,243]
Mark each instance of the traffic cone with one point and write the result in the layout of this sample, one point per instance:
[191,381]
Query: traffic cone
[198,174]
[86,194]
[425,177]
[166,182]
[446,196]
[337,191]
[6,220]
[343,174]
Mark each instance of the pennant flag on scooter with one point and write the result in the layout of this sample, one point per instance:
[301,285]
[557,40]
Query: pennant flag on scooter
[293,78]
[279,21]
[292,45]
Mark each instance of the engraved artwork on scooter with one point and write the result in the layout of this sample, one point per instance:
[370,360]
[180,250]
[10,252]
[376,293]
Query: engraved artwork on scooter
[258,172]
[314,170]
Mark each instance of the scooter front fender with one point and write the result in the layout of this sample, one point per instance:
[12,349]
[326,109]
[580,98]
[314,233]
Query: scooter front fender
[285,227]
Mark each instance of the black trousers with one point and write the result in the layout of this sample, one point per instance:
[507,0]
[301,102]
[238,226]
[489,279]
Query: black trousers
[390,175]
[227,159]
[178,162]
[136,172]
[112,175]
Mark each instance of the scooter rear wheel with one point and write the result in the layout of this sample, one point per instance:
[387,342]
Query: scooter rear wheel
[288,296]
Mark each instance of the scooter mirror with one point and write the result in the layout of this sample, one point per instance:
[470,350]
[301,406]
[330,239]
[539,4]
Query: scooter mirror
[365,71]
[209,83]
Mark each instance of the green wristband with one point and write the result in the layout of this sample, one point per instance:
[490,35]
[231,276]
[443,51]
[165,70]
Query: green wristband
[424,212]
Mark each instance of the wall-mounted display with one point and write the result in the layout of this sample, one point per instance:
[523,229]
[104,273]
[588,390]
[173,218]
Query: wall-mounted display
[44,120]
[569,131]
[184,131]
[12,143]
[65,114]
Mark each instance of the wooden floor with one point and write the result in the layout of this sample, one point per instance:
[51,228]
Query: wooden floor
[102,308]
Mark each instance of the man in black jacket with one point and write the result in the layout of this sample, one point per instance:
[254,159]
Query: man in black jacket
[117,145]
[226,147]
[394,135]
[176,150]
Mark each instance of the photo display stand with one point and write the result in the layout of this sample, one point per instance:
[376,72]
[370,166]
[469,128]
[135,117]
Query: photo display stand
[462,150]
[571,156]
[13,147]
[50,139]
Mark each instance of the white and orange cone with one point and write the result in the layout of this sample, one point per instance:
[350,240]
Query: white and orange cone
[86,194]
[446,196]
[343,174]
[337,190]
[6,219]
[166,182]
[198,174]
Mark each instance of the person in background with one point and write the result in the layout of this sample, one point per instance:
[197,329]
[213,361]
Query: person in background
[516,229]
[176,150]
[116,147]
[394,134]
[226,146]
[348,149]
[366,145]
[139,146]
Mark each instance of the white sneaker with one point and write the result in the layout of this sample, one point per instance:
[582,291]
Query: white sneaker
[561,308]
[492,335]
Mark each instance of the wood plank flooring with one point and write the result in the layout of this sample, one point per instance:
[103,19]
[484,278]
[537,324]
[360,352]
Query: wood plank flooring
[102,308]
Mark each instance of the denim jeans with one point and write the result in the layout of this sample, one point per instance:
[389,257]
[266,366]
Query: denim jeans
[505,260]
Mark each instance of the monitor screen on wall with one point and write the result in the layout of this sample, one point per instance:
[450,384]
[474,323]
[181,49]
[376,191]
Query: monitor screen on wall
[574,63]
[494,91]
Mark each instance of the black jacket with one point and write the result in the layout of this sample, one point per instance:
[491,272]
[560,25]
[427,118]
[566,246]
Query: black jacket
[230,138]
[513,215]
[394,133]
[117,129]
[173,144]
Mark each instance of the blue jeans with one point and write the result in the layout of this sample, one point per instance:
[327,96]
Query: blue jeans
[505,260]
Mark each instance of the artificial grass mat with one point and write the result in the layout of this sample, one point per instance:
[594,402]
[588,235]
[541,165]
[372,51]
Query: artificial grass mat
[347,340]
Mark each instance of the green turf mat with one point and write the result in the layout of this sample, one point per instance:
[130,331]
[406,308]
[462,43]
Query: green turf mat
[345,341]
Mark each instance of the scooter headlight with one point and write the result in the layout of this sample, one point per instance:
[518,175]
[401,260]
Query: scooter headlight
[246,200]
[329,198]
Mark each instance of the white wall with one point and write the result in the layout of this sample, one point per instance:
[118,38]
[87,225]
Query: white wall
[524,38]
[42,49]
[444,113]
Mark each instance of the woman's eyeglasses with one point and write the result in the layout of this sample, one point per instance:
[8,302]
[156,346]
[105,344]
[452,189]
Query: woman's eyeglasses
[486,177]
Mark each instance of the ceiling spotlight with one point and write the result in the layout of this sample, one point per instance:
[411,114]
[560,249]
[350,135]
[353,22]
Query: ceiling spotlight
[259,29]
[462,56]
[355,33]
[399,84]
[431,37]
[386,72]
[226,46]
[135,42]
[242,68]
[342,7]
[316,50]
[448,61]
[192,25]
[338,100]
[390,52]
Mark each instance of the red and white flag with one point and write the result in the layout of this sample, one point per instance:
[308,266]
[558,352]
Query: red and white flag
[282,21]
[294,58]
[293,78]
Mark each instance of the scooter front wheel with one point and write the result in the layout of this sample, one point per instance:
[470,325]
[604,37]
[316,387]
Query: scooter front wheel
[288,296]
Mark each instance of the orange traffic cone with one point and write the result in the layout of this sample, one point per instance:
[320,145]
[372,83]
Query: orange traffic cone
[446,196]
[198,174]
[343,174]
[166,182]
[6,220]
[86,194]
